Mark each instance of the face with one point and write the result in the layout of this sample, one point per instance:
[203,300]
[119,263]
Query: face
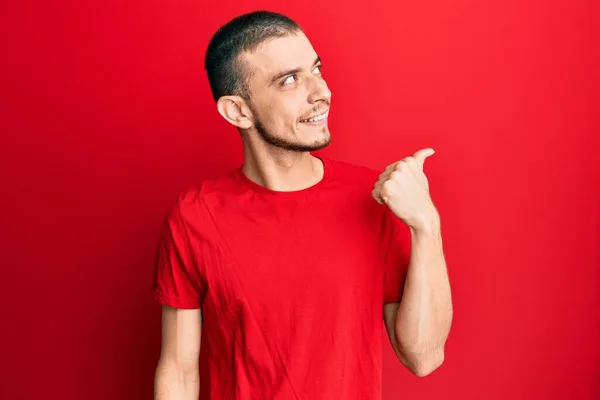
[289,99]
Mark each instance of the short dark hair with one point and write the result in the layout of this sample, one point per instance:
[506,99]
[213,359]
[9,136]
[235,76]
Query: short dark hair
[226,73]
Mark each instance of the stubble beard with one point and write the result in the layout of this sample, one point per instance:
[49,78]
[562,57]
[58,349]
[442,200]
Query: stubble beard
[284,144]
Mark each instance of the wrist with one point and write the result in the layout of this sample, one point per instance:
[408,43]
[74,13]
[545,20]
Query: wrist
[428,223]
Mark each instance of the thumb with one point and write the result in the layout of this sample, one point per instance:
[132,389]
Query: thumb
[422,154]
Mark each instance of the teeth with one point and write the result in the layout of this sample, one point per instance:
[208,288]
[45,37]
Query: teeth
[317,118]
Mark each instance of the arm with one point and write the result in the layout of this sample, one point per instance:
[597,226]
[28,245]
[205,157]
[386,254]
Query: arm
[177,376]
[419,325]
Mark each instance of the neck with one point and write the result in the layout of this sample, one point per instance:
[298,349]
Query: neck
[282,170]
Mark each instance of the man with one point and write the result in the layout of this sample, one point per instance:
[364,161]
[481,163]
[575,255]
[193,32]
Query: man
[285,271]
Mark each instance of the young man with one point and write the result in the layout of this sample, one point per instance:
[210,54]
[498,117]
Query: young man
[285,271]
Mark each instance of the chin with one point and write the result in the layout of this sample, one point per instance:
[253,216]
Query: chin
[308,145]
[307,139]
[320,143]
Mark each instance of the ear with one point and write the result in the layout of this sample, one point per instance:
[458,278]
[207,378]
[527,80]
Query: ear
[235,111]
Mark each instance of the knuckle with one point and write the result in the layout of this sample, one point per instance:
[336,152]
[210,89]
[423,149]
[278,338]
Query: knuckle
[396,175]
[386,187]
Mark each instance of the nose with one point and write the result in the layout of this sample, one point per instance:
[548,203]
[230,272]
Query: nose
[319,91]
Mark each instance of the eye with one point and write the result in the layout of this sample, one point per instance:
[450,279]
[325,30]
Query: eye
[317,69]
[289,80]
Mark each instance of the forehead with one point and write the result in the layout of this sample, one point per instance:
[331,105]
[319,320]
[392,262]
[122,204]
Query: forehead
[280,54]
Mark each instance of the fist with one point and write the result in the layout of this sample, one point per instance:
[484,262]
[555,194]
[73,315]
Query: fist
[404,188]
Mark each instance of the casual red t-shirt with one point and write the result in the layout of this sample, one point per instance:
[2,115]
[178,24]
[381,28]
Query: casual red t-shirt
[291,284]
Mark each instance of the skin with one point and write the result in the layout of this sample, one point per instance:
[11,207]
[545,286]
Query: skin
[419,325]
[287,87]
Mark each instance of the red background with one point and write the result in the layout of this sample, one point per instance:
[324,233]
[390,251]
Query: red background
[106,113]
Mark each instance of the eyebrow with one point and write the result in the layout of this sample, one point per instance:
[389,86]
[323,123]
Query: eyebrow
[291,72]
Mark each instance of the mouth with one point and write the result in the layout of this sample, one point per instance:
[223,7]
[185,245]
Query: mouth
[317,118]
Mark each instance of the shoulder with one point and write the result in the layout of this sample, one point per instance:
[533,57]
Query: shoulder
[191,203]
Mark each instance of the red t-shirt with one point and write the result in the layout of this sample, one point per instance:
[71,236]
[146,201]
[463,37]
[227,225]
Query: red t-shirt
[291,284]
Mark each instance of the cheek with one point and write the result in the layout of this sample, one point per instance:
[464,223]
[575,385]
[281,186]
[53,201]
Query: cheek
[283,116]
[282,112]
[292,111]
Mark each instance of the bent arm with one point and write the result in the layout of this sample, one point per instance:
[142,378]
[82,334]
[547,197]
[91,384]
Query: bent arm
[177,376]
[419,325]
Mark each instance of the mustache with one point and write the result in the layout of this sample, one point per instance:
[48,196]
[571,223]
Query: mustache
[317,110]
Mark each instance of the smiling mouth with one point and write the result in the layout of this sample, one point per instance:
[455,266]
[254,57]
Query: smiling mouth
[316,118]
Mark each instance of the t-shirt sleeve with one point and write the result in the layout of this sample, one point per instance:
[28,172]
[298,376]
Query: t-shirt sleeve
[178,281]
[396,257]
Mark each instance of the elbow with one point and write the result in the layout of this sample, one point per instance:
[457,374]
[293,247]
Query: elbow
[427,365]
[422,364]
